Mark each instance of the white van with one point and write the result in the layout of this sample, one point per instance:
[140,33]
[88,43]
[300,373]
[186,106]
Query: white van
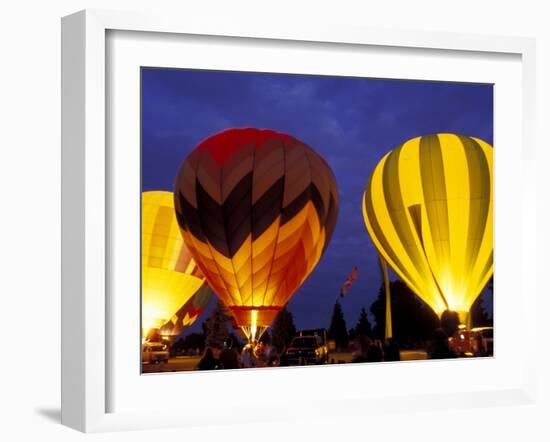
[154,352]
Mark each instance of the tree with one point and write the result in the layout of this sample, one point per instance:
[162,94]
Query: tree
[193,341]
[236,339]
[338,330]
[283,329]
[266,337]
[217,326]
[491,284]
[479,315]
[177,346]
[412,320]
[363,327]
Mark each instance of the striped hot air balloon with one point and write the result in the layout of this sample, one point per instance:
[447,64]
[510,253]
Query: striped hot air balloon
[170,277]
[257,209]
[188,313]
[428,208]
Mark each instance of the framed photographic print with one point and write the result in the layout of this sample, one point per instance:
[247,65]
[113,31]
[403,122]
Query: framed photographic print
[275,228]
[254,213]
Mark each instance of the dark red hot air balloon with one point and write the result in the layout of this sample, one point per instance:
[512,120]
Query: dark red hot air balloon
[256,209]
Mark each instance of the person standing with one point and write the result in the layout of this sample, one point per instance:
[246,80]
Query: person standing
[229,359]
[208,361]
[439,348]
[391,351]
[248,358]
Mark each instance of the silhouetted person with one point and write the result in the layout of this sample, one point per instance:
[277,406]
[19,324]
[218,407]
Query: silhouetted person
[440,346]
[208,361]
[449,322]
[391,351]
[229,358]
[248,357]
[270,354]
[363,344]
[283,359]
[375,354]
[480,347]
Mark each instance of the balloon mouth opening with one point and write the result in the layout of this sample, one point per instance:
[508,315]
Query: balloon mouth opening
[254,321]
[254,316]
[253,332]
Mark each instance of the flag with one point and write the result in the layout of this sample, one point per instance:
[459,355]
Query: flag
[348,282]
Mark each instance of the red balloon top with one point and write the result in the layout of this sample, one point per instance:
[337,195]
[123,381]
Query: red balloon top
[224,144]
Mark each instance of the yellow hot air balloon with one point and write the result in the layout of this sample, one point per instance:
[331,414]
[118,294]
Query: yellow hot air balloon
[428,208]
[170,277]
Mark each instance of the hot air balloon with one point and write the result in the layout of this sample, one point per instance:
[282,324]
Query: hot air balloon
[188,313]
[170,277]
[256,209]
[428,208]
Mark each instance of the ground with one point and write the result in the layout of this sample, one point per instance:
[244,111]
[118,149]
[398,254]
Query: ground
[188,363]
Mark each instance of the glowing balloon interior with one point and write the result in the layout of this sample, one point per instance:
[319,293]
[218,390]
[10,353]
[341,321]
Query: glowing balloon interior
[170,277]
[428,208]
[256,209]
[188,313]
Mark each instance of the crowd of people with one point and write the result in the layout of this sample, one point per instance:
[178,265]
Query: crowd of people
[259,355]
[265,355]
[364,349]
[373,350]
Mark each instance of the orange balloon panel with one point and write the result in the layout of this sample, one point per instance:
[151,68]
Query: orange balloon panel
[256,210]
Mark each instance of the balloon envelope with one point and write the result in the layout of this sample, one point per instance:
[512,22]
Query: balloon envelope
[428,208]
[257,209]
[188,313]
[170,277]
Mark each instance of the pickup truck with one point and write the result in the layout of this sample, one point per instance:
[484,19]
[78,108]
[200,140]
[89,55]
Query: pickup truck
[305,350]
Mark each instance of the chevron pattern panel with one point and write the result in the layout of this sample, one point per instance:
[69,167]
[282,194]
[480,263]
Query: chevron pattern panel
[256,209]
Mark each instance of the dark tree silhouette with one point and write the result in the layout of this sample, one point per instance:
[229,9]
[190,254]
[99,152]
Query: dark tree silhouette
[363,326]
[193,340]
[217,326]
[491,283]
[283,329]
[338,330]
[236,339]
[266,337]
[413,322]
[177,346]
[479,315]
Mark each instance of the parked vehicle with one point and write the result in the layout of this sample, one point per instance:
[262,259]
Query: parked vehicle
[308,348]
[154,353]
[475,342]
[484,337]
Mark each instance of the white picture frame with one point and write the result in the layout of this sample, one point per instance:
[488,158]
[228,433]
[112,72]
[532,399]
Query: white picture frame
[87,207]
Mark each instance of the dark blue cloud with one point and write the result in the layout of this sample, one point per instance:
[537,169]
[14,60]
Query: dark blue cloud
[351,122]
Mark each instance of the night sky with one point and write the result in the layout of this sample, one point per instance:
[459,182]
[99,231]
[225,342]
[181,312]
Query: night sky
[350,122]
